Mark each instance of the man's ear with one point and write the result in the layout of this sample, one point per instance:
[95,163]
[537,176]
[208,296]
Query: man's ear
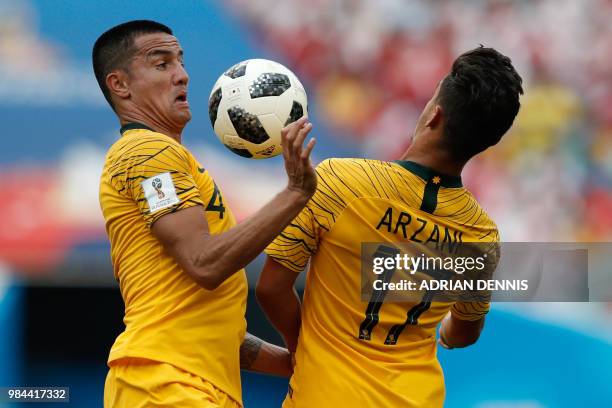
[117,83]
[435,118]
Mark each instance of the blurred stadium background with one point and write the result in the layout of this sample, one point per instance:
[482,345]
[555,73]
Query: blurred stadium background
[369,67]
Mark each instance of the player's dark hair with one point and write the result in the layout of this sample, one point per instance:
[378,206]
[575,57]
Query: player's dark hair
[115,48]
[480,99]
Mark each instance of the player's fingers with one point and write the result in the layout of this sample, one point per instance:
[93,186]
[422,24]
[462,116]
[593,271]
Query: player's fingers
[284,144]
[284,132]
[440,342]
[291,129]
[308,149]
[296,126]
[298,143]
[288,142]
[297,123]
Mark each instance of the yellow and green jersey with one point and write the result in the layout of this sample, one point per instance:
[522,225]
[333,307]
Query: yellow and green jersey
[351,353]
[168,317]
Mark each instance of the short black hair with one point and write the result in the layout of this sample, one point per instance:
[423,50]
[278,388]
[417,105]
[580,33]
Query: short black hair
[479,100]
[115,48]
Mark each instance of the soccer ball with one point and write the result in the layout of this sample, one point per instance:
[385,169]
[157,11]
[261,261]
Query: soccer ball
[250,104]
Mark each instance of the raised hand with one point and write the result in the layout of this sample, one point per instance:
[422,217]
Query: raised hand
[301,173]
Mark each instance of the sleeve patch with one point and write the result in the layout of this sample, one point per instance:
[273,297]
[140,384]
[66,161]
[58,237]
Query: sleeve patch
[160,192]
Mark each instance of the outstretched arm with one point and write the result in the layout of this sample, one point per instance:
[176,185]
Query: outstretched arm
[210,259]
[279,300]
[262,357]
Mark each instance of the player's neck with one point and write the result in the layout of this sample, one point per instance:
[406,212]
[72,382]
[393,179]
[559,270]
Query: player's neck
[435,159]
[153,124]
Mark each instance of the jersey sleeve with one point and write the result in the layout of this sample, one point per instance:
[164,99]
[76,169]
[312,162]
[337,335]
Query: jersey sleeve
[300,239]
[470,310]
[156,174]
[481,300]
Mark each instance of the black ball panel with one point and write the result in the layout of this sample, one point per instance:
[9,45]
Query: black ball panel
[247,126]
[213,106]
[297,111]
[240,152]
[269,84]
[237,70]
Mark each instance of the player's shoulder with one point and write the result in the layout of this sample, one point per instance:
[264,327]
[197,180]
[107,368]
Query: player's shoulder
[487,223]
[143,153]
[482,222]
[351,167]
[485,215]
[347,179]
[137,141]
[145,143]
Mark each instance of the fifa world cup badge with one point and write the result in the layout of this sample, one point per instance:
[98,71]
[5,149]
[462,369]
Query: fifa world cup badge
[159,192]
[157,185]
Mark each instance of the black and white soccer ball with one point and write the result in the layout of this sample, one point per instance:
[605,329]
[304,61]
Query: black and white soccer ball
[250,104]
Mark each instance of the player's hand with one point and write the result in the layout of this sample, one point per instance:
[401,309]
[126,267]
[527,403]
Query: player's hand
[442,339]
[443,344]
[301,173]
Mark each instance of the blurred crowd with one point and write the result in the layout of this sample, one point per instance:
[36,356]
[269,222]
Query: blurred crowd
[372,65]
[35,71]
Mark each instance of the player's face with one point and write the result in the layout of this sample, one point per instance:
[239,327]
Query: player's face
[427,114]
[158,80]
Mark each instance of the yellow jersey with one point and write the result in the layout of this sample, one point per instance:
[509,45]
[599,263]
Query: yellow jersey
[351,353]
[168,317]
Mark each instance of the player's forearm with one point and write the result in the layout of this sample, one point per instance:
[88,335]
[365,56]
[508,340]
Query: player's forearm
[456,333]
[262,357]
[282,306]
[224,254]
